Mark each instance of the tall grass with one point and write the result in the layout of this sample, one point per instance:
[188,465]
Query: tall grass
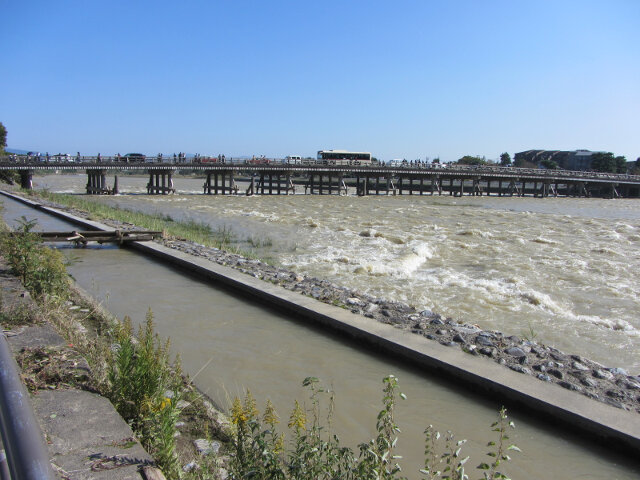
[221,238]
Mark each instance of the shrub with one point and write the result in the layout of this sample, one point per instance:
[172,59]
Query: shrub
[145,389]
[315,452]
[42,270]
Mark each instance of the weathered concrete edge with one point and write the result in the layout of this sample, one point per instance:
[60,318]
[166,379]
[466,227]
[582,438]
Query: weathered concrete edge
[611,426]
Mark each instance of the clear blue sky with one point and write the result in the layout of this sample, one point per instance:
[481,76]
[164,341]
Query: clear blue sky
[397,78]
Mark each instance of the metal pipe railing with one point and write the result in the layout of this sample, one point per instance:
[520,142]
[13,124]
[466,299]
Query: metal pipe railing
[27,456]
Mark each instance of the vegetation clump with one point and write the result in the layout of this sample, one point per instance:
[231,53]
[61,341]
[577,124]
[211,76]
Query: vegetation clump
[41,270]
[315,452]
[198,232]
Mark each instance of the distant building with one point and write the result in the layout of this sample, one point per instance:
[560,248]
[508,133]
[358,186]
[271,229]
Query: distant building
[566,159]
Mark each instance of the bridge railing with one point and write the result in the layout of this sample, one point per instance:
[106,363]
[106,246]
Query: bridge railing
[26,456]
[263,162]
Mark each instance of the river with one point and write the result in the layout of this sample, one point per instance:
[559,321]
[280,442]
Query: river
[233,344]
[562,271]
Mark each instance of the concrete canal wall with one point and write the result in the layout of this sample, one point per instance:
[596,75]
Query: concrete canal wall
[615,428]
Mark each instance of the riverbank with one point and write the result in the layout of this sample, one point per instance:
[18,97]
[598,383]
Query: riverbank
[607,384]
[65,345]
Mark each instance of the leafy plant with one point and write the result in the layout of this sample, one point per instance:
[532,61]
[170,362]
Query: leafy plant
[315,453]
[42,270]
[145,391]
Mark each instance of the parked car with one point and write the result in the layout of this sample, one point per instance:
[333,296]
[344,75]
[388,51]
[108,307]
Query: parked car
[134,158]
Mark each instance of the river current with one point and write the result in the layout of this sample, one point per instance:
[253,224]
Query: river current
[562,271]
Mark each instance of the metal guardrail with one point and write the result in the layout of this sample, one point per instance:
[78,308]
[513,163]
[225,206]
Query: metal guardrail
[26,455]
[276,163]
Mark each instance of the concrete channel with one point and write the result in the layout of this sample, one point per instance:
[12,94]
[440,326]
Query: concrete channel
[611,427]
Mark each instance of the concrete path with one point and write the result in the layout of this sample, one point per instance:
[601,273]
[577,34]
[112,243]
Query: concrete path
[85,436]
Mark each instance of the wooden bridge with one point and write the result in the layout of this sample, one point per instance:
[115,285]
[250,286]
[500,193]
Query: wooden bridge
[284,179]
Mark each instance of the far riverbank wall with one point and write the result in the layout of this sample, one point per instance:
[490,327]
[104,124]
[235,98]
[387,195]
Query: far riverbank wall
[395,334]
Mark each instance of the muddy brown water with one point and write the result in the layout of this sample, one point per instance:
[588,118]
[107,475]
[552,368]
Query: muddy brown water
[560,270]
[230,343]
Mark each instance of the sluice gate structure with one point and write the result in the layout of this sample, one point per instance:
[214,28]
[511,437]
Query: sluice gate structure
[284,179]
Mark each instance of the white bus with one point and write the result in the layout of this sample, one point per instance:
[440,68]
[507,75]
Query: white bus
[343,157]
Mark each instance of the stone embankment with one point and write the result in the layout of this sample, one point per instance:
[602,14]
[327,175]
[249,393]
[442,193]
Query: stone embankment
[610,385]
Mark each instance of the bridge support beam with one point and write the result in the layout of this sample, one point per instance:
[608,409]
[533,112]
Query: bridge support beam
[26,179]
[97,182]
[332,186]
[614,192]
[220,182]
[160,182]
[362,185]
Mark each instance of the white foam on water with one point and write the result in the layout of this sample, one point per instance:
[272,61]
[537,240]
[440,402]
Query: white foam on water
[544,241]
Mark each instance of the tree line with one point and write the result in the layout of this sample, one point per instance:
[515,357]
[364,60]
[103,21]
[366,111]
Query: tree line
[605,162]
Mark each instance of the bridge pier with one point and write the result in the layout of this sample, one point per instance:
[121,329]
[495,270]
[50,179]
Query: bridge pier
[362,187]
[26,179]
[476,188]
[333,185]
[513,187]
[160,182]
[97,182]
[223,183]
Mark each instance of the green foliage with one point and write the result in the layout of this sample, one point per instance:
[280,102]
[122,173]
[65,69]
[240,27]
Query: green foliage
[42,270]
[499,449]
[607,162]
[505,159]
[3,137]
[10,177]
[377,460]
[145,390]
[314,452]
[549,164]
[471,160]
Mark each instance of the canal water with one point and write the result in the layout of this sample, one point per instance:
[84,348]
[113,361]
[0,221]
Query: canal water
[562,271]
[229,344]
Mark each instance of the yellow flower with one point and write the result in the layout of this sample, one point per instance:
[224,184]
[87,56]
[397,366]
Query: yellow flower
[270,416]
[237,412]
[166,402]
[279,445]
[298,418]
[250,409]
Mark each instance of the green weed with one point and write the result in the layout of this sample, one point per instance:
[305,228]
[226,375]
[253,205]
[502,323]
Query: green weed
[41,269]
[145,390]
[314,451]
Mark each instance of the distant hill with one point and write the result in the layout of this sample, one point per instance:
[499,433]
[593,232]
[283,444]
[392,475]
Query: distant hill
[16,151]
